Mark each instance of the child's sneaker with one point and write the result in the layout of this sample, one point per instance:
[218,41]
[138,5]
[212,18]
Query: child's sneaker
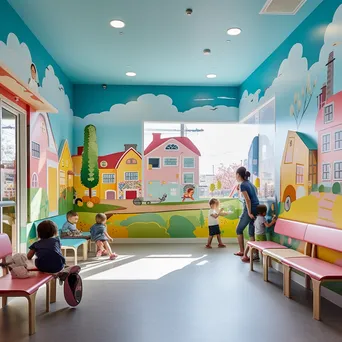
[208,246]
[222,245]
[245,259]
[113,256]
[98,253]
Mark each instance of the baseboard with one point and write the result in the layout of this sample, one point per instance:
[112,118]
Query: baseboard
[170,241]
[329,295]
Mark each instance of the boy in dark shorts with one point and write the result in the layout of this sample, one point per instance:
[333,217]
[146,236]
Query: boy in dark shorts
[213,223]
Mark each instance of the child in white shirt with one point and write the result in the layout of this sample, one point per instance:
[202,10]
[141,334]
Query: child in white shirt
[213,223]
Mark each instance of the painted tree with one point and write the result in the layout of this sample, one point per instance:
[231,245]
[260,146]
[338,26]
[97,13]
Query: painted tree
[212,188]
[302,101]
[201,218]
[90,169]
[219,185]
[227,175]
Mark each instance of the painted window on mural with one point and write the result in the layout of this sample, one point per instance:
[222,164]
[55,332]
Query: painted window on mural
[62,178]
[108,178]
[289,151]
[338,140]
[154,163]
[326,143]
[103,163]
[170,162]
[34,181]
[35,150]
[189,162]
[131,176]
[131,161]
[328,113]
[188,178]
[338,170]
[300,174]
[326,172]
[171,147]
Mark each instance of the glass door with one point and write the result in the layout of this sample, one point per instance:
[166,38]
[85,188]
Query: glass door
[12,173]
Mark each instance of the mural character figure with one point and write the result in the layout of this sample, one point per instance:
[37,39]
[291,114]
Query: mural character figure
[188,193]
[33,80]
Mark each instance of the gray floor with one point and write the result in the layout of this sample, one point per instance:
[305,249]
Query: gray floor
[176,293]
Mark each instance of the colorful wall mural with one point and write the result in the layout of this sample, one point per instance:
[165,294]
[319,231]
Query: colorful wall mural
[307,87]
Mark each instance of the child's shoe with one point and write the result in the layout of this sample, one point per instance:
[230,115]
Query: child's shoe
[222,245]
[208,246]
[98,253]
[245,259]
[113,256]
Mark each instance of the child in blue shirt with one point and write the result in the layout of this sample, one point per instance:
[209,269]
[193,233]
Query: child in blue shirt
[47,249]
[69,227]
[98,233]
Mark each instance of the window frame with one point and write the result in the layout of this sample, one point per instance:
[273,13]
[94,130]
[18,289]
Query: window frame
[165,158]
[189,167]
[189,173]
[301,166]
[323,172]
[322,143]
[108,174]
[340,171]
[153,168]
[32,150]
[332,113]
[339,141]
[131,180]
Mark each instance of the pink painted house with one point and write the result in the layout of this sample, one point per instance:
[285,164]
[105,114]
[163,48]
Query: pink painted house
[44,160]
[171,166]
[329,129]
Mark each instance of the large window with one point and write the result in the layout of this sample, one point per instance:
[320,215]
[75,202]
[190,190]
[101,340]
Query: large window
[108,178]
[338,170]
[35,150]
[154,163]
[328,113]
[131,176]
[326,143]
[170,161]
[326,175]
[300,174]
[189,162]
[188,178]
[338,140]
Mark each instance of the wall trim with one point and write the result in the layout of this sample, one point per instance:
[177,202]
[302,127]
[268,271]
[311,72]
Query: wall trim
[329,295]
[170,240]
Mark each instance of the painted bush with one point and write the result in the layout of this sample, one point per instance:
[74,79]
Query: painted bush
[147,230]
[181,227]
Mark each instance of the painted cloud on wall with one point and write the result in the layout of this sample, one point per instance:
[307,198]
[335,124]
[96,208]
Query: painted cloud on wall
[123,123]
[17,57]
[294,70]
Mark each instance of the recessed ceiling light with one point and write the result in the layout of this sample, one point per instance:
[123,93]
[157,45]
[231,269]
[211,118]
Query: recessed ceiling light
[117,24]
[211,76]
[234,31]
[131,74]
[207,51]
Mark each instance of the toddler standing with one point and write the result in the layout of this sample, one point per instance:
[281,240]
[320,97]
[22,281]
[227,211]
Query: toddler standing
[213,223]
[100,235]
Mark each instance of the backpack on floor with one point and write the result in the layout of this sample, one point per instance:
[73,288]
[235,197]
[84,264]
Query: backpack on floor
[72,285]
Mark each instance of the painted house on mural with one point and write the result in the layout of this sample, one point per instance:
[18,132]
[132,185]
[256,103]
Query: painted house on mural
[329,129]
[66,178]
[119,175]
[171,165]
[44,160]
[298,170]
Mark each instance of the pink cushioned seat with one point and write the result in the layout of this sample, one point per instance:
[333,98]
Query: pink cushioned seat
[261,245]
[315,268]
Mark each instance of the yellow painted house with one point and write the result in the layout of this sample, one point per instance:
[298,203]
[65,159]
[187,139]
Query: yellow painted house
[119,175]
[298,170]
[65,167]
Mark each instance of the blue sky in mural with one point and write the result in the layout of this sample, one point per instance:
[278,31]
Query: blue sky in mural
[294,77]
[148,107]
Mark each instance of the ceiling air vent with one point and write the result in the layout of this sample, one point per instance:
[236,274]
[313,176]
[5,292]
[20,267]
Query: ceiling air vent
[282,7]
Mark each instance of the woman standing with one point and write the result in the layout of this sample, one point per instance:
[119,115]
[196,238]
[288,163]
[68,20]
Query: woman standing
[251,201]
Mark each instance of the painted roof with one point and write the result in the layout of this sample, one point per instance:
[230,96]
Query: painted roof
[113,160]
[156,142]
[337,100]
[62,145]
[308,141]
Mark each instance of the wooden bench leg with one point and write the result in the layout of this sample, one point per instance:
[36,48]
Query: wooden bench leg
[85,251]
[251,261]
[265,266]
[316,289]
[53,291]
[287,281]
[307,282]
[47,299]
[4,301]
[32,313]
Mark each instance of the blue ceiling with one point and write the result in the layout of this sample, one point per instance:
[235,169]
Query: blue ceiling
[160,43]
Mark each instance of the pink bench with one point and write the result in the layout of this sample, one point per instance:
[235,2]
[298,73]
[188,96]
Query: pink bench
[292,229]
[318,270]
[10,287]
